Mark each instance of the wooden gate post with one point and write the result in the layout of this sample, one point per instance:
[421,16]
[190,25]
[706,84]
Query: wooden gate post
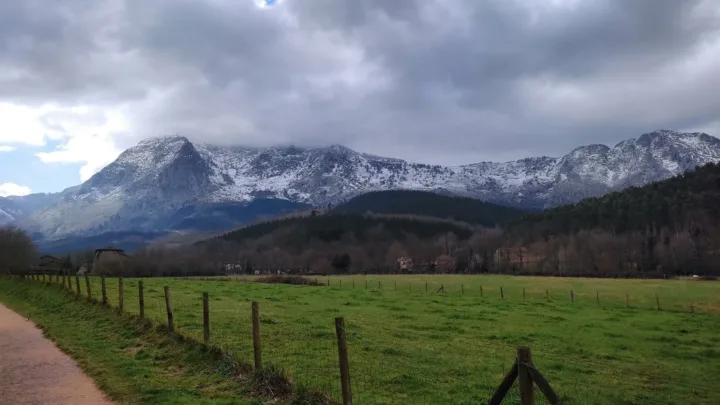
[141,299]
[256,334]
[527,392]
[104,290]
[344,361]
[87,285]
[121,295]
[206,318]
[168,307]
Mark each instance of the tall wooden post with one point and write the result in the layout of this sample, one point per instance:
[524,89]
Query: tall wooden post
[344,361]
[141,299]
[527,393]
[256,334]
[77,285]
[627,300]
[523,293]
[481,291]
[572,296]
[168,307]
[87,286]
[104,290]
[502,294]
[206,318]
[597,296]
[657,299]
[121,295]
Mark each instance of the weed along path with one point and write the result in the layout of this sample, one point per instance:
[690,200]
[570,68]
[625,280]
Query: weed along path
[34,371]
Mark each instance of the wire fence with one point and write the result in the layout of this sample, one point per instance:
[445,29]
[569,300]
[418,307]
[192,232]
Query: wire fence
[452,345]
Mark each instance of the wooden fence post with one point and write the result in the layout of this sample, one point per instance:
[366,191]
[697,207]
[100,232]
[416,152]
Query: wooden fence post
[597,296]
[344,361]
[141,298]
[77,285]
[366,285]
[206,319]
[379,286]
[395,285]
[523,293]
[481,291]
[572,296]
[657,299]
[547,295]
[87,286]
[692,308]
[168,306]
[121,295]
[627,300]
[502,294]
[527,392]
[104,290]
[256,335]
[63,279]
[426,287]
[462,289]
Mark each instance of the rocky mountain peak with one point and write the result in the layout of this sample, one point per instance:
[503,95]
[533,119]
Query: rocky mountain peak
[160,177]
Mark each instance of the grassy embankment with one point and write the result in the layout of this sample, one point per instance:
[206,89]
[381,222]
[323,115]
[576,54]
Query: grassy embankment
[132,361]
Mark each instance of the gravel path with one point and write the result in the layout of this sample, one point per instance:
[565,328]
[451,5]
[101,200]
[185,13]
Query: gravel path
[34,371]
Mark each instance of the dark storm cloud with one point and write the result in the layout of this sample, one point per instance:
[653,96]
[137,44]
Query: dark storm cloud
[440,81]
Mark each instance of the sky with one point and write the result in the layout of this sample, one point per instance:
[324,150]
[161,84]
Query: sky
[434,81]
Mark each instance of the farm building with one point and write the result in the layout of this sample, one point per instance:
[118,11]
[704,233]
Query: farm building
[405,263]
[50,265]
[109,260]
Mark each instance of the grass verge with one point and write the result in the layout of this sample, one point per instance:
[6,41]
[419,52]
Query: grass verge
[134,362]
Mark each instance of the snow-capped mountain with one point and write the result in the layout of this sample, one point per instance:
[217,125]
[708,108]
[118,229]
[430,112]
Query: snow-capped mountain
[163,183]
[16,207]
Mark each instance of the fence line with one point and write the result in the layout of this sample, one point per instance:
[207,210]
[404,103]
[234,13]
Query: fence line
[183,318]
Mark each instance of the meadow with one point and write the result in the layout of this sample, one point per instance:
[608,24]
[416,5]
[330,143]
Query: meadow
[604,343]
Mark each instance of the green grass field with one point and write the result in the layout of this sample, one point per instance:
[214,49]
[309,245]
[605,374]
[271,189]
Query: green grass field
[409,346]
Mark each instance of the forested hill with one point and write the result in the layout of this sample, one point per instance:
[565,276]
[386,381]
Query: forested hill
[685,202]
[428,204]
[296,233]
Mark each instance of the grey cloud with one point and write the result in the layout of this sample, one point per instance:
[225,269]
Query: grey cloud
[431,80]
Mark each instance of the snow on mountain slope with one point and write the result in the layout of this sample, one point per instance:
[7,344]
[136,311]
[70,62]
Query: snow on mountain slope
[147,187]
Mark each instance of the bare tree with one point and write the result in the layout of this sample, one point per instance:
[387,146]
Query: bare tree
[17,251]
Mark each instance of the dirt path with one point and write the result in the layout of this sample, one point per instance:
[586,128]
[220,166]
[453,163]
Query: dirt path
[34,371]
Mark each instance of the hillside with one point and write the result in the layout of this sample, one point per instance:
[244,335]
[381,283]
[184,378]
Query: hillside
[688,200]
[428,204]
[296,233]
[667,227]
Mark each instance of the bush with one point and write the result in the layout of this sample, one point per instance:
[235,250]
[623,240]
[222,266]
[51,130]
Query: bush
[294,280]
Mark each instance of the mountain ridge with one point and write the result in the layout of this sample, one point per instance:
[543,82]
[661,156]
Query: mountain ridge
[148,184]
